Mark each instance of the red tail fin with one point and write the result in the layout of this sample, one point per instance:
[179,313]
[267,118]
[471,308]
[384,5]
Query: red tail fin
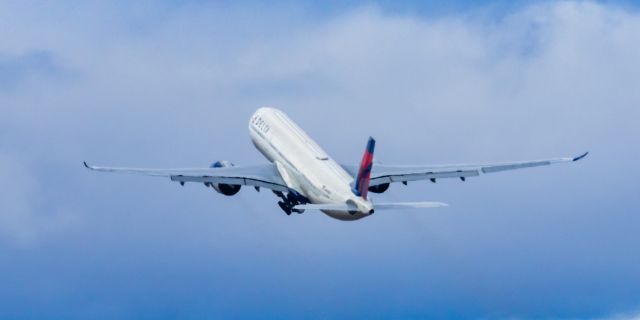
[361,185]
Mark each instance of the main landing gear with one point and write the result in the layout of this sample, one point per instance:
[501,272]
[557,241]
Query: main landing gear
[288,208]
[291,200]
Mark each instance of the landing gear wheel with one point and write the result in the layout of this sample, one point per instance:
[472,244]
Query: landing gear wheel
[286,208]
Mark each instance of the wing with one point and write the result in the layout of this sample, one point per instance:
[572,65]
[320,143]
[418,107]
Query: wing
[382,174]
[264,176]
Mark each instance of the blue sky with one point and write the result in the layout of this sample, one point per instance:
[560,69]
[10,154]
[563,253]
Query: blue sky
[168,84]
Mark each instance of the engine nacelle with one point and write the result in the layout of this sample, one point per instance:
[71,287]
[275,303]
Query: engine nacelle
[226,189]
[379,188]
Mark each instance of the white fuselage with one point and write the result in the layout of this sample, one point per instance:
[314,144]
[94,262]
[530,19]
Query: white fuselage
[303,165]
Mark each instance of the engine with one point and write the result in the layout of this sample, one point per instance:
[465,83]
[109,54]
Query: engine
[379,188]
[226,189]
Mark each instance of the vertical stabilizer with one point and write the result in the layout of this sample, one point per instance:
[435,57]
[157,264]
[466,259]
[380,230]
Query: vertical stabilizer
[361,184]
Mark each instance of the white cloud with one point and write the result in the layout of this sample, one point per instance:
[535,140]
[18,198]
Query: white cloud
[544,80]
[175,86]
[550,77]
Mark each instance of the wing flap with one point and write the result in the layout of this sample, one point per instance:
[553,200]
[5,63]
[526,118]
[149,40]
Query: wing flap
[245,181]
[514,166]
[410,175]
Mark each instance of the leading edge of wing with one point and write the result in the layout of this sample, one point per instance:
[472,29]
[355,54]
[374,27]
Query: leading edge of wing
[147,171]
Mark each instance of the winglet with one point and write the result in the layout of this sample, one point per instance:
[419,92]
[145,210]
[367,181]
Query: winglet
[581,156]
[86,165]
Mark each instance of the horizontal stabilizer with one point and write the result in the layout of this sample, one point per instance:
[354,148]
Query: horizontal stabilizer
[325,206]
[376,206]
[408,205]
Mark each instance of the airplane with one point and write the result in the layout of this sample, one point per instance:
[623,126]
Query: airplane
[304,177]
